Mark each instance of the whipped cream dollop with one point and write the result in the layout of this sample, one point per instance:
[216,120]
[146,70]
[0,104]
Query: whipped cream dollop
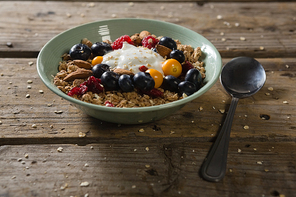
[131,58]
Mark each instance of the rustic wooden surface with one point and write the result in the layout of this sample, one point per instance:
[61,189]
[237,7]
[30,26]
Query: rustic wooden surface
[164,160]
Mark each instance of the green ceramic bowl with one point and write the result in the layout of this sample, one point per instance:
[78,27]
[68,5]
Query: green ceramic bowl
[50,55]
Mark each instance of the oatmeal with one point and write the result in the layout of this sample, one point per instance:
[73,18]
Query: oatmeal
[138,71]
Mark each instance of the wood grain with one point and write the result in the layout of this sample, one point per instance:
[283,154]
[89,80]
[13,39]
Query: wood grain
[275,102]
[131,169]
[246,28]
[164,159]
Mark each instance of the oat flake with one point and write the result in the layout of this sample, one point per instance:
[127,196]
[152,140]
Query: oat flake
[60,149]
[84,184]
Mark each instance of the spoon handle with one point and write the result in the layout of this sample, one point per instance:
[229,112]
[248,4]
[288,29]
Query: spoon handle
[214,166]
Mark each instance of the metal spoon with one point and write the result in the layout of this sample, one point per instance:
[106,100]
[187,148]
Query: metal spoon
[241,77]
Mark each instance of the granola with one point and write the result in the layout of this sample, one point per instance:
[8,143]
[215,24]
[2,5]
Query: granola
[73,73]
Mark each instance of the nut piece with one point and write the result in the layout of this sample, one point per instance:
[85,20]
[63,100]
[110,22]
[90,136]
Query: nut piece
[86,42]
[121,71]
[163,50]
[78,74]
[136,39]
[144,34]
[82,64]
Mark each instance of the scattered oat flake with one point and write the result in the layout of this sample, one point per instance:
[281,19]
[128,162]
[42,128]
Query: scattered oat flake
[285,102]
[19,159]
[64,186]
[236,24]
[172,132]
[147,148]
[242,38]
[255,149]
[141,130]
[86,165]
[239,150]
[267,94]
[29,81]
[223,39]
[135,150]
[30,63]
[200,108]
[13,177]
[113,15]
[134,186]
[26,155]
[60,149]
[287,66]
[259,162]
[84,184]
[131,4]
[246,127]
[261,48]
[270,88]
[219,17]
[27,95]
[230,170]
[34,126]
[0,122]
[266,170]
[222,111]
[29,87]
[147,166]
[58,112]
[41,91]
[81,134]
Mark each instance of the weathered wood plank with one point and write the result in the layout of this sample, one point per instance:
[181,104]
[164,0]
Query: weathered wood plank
[275,102]
[258,29]
[131,169]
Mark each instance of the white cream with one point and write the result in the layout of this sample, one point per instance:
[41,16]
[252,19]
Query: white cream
[131,58]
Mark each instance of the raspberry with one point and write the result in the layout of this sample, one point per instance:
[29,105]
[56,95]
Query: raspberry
[153,93]
[94,85]
[108,104]
[186,66]
[117,44]
[149,42]
[73,91]
[143,68]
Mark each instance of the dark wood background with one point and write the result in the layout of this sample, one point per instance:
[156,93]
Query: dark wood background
[164,160]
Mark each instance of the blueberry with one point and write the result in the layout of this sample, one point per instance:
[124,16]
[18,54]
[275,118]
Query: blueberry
[125,83]
[143,81]
[168,42]
[186,87]
[80,52]
[177,55]
[109,80]
[154,50]
[171,83]
[99,69]
[193,75]
[100,48]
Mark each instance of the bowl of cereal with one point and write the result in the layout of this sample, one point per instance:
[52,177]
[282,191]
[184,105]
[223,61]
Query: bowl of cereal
[129,71]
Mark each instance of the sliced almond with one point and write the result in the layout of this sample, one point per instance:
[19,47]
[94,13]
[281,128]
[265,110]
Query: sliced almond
[82,64]
[78,74]
[163,50]
[121,71]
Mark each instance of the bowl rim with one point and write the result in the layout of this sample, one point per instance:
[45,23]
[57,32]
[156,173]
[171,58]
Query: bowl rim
[182,101]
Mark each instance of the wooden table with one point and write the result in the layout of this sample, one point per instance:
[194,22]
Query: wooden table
[50,148]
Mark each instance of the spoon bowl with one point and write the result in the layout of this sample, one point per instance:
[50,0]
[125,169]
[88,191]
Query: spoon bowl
[241,77]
